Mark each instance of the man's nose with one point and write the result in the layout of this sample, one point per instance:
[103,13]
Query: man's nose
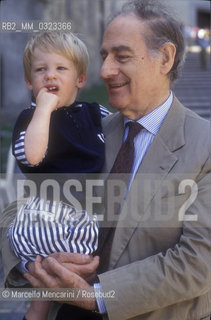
[50,74]
[109,69]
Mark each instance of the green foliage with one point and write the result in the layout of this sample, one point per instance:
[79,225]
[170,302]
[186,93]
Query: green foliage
[96,93]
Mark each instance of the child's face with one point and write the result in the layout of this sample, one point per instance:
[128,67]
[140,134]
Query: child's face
[56,73]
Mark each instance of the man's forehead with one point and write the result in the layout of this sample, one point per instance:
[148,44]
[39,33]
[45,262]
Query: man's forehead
[123,31]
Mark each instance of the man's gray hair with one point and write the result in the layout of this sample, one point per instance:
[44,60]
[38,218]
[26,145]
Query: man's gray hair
[162,28]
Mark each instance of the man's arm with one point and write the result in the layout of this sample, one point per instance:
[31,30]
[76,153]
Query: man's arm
[177,275]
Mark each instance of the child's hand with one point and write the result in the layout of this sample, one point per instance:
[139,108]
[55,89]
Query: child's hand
[47,100]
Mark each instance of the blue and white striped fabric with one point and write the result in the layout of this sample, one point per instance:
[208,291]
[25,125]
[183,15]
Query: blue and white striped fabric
[19,150]
[42,227]
[104,112]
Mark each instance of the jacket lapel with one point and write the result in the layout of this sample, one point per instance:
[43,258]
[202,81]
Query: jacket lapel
[113,131]
[157,164]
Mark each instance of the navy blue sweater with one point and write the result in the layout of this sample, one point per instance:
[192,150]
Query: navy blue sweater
[76,143]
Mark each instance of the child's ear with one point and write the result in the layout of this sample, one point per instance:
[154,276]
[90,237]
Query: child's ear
[81,81]
[28,84]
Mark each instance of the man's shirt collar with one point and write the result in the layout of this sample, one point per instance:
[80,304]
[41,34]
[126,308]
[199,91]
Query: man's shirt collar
[153,120]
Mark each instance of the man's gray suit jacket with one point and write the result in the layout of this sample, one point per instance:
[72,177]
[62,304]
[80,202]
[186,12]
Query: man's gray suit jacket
[160,259]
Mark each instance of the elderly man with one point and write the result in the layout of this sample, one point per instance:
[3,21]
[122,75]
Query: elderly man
[156,262]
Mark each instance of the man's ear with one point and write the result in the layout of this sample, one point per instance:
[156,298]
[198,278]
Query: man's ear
[168,55]
[81,81]
[28,84]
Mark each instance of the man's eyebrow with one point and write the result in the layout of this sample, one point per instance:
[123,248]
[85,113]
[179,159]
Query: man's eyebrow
[117,49]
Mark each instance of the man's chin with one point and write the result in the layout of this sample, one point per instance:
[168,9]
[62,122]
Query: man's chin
[116,104]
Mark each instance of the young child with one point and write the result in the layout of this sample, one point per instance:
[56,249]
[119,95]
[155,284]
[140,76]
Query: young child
[55,135]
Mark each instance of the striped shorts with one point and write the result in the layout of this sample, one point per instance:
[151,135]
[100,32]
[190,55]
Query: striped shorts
[42,227]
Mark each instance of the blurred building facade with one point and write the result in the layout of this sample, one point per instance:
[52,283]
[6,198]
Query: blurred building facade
[88,19]
[195,13]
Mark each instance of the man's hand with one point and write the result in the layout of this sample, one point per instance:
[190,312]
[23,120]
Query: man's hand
[83,265]
[53,274]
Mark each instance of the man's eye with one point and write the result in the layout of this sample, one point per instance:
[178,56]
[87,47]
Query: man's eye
[123,58]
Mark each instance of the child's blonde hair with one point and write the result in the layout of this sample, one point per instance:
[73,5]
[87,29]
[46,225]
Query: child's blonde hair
[61,42]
